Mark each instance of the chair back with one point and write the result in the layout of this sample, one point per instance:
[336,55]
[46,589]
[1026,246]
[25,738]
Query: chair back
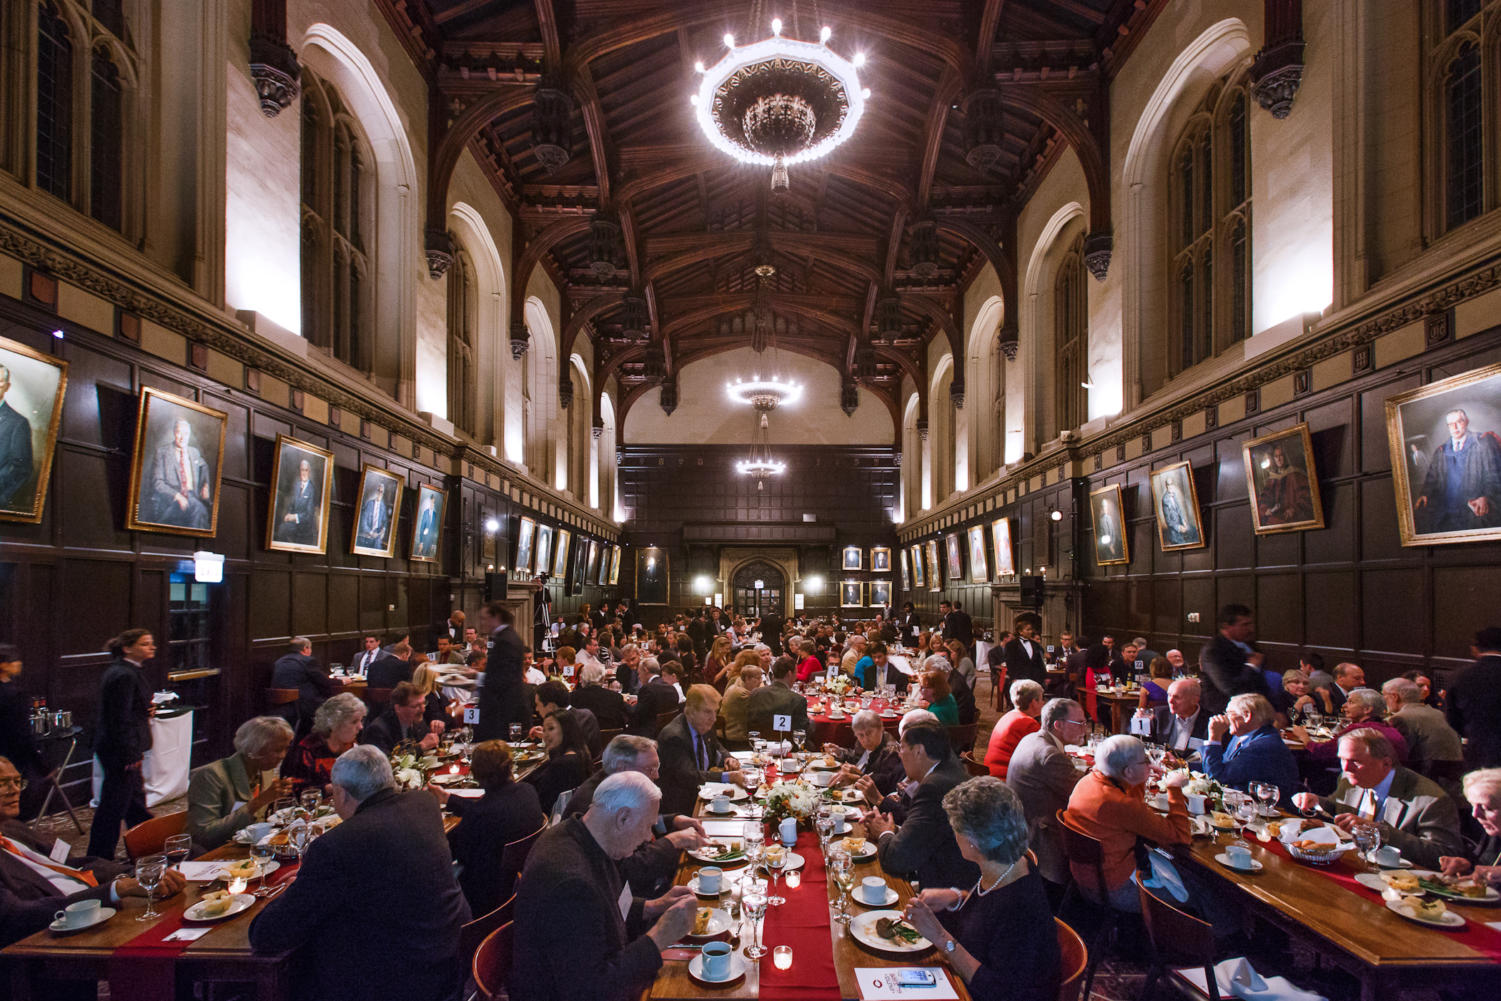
[148,837]
[377,697]
[962,737]
[491,966]
[972,766]
[605,736]
[1084,850]
[476,931]
[280,696]
[1178,938]
[1073,959]
[664,718]
[513,858]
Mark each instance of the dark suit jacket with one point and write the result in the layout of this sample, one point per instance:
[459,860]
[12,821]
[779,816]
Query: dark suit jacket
[680,775]
[1162,721]
[360,932]
[503,700]
[1257,757]
[883,766]
[964,698]
[773,700]
[299,671]
[447,628]
[123,734]
[960,627]
[607,706]
[1224,672]
[1475,711]
[500,815]
[925,843]
[572,944]
[654,698]
[386,731]
[301,500]
[15,453]
[388,671]
[771,632]
[28,901]
[1019,665]
[909,624]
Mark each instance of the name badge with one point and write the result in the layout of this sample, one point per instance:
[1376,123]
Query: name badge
[60,851]
[625,901]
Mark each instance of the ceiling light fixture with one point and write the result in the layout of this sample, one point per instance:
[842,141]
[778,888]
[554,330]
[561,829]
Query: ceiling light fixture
[761,463]
[780,101]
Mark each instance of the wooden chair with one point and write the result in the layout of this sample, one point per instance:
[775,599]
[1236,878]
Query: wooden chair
[664,718]
[972,766]
[962,737]
[1178,939]
[377,698]
[513,857]
[148,837]
[1083,850]
[277,697]
[605,736]
[998,688]
[476,931]
[1074,959]
[491,966]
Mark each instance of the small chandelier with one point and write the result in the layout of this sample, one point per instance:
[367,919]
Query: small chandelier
[765,395]
[780,101]
[760,463]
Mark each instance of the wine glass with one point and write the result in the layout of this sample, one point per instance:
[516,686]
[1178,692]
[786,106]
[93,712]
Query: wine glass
[823,823]
[776,860]
[752,777]
[311,798]
[516,732]
[799,738]
[262,853]
[753,904]
[1245,811]
[149,872]
[176,848]
[755,845]
[842,866]
[1269,794]
[298,834]
[282,809]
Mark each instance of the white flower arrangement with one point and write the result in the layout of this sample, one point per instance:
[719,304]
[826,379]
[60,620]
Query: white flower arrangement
[839,685]
[791,798]
[407,770]
[1197,784]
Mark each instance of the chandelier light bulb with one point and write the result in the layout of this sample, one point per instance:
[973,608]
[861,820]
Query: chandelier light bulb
[729,40]
[825,34]
[859,60]
[865,93]
[698,67]
[776,26]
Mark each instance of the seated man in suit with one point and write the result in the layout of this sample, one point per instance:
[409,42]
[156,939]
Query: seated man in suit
[1413,812]
[1043,777]
[608,707]
[33,888]
[777,699]
[691,754]
[1182,724]
[875,754]
[581,935]
[924,843]
[549,697]
[402,721]
[654,698]
[1255,752]
[394,665]
[297,669]
[357,930]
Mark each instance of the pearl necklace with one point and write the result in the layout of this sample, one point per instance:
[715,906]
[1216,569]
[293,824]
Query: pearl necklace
[981,891]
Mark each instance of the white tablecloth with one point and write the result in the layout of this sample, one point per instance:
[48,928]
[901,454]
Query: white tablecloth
[982,655]
[166,766]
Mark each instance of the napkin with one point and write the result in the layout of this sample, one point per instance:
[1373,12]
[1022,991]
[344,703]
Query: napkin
[1164,877]
[201,872]
[1237,977]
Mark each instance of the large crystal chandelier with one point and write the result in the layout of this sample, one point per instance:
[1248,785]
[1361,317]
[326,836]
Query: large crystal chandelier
[780,101]
[761,463]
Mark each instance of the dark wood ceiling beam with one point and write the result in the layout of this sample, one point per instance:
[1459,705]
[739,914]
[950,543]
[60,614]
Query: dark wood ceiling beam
[990,20]
[938,113]
[788,240]
[1080,10]
[552,39]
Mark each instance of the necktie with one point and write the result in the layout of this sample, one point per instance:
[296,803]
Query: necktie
[703,757]
[82,875]
[184,471]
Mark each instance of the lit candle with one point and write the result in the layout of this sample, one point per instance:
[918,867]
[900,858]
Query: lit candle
[237,885]
[794,879]
[453,769]
[782,957]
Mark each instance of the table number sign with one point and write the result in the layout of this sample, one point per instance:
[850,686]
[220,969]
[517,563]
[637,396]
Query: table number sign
[781,723]
[471,715]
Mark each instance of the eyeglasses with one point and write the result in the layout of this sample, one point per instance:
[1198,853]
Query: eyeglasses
[13,783]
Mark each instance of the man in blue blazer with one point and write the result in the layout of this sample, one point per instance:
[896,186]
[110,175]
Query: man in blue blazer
[1255,752]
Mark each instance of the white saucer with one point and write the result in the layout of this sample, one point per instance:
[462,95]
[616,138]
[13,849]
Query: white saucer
[1224,860]
[738,968]
[1401,864]
[103,915]
[890,898]
[724,887]
[790,862]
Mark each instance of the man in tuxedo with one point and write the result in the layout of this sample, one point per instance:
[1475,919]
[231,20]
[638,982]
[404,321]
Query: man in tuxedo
[924,843]
[962,627]
[908,624]
[691,754]
[1182,724]
[375,901]
[1024,655]
[502,699]
[375,519]
[452,627]
[394,665]
[772,624]
[297,669]
[1229,664]
[581,935]
[15,450]
[180,481]
[300,506]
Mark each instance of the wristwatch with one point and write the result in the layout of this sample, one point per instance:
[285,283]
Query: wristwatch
[950,945]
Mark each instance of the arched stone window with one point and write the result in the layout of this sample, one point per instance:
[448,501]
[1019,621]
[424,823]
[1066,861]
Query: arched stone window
[1071,337]
[1209,229]
[1464,99]
[463,322]
[337,213]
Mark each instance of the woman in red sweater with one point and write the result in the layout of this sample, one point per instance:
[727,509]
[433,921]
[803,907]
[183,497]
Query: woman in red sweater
[1009,730]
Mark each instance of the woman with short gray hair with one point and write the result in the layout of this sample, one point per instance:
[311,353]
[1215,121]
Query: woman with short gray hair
[1026,696]
[1483,791]
[999,934]
[231,793]
[336,727]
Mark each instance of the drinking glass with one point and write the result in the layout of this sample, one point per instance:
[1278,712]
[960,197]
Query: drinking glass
[310,799]
[776,861]
[1367,839]
[1269,795]
[755,844]
[1245,811]
[823,823]
[842,867]
[263,854]
[298,834]
[799,738]
[753,778]
[516,733]
[176,848]
[284,807]
[149,872]
[753,903]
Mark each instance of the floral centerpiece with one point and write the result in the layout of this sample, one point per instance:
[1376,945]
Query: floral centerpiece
[406,766]
[786,798]
[839,685]
[1199,784]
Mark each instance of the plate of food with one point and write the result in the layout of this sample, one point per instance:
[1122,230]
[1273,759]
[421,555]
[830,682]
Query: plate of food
[709,922]
[1222,821]
[216,905]
[1398,882]
[247,868]
[824,762]
[719,853]
[1461,889]
[449,778]
[860,849]
[1426,912]
[733,793]
[887,931]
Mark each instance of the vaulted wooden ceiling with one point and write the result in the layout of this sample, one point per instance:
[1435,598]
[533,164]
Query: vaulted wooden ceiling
[694,224]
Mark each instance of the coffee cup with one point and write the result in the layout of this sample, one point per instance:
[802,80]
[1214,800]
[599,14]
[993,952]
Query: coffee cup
[78,915]
[1389,856]
[1239,856]
[708,879]
[873,890]
[257,831]
[1195,804]
[720,804]
[716,960]
[787,829]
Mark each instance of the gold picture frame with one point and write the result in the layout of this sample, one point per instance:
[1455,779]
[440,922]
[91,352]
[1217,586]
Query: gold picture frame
[979,567]
[880,559]
[1420,437]
[1005,558]
[1283,482]
[376,513]
[31,411]
[614,565]
[542,550]
[560,554]
[1175,503]
[427,523]
[1107,512]
[906,569]
[297,521]
[919,576]
[852,558]
[526,536]
[177,431]
[851,594]
[935,572]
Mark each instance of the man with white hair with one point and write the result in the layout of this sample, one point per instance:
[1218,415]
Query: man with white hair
[1364,707]
[854,649]
[375,901]
[1255,752]
[1429,736]
[874,755]
[608,707]
[580,934]
[1182,724]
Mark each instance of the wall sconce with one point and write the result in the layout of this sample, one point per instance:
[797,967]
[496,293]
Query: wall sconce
[813,584]
[492,525]
[1055,514]
[701,584]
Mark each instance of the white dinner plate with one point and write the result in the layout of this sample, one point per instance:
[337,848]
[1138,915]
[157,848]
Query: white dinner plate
[863,928]
[868,853]
[1491,896]
[267,867]
[719,923]
[1373,881]
[734,794]
[709,856]
[1224,860]
[100,916]
[738,966]
[890,898]
[238,903]
[1449,919]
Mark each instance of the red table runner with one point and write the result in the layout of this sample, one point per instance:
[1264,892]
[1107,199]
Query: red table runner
[1474,934]
[803,922]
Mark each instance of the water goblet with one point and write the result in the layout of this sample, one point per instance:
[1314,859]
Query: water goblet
[1245,811]
[824,824]
[755,845]
[176,848]
[283,807]
[1367,837]
[776,860]
[149,872]
[753,777]
[841,865]
[298,834]
[311,797]
[799,738]
[1268,794]
[753,904]
[262,853]
[516,733]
